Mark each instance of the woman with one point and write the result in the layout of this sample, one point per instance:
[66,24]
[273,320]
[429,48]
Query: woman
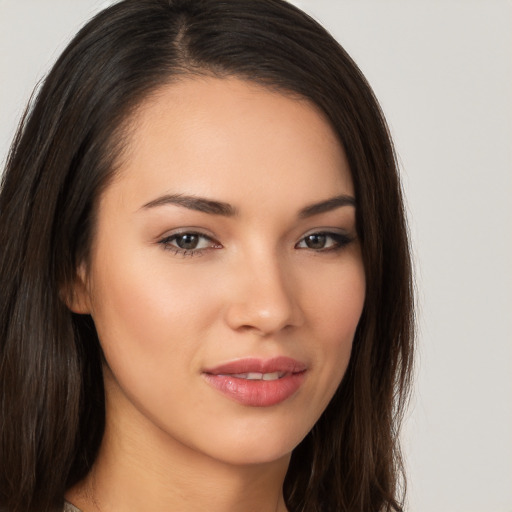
[206,289]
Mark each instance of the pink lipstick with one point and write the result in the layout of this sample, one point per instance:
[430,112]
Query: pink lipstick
[257,382]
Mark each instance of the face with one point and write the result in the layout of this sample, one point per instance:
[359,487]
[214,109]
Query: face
[225,278]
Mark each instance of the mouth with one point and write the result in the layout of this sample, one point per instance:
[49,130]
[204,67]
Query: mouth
[260,376]
[256,382]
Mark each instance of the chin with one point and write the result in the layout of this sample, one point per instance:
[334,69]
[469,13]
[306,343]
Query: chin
[261,446]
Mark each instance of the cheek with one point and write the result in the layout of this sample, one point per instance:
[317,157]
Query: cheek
[146,314]
[335,312]
[335,300]
[151,326]
[146,290]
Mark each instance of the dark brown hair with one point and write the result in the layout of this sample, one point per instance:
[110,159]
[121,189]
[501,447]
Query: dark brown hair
[51,390]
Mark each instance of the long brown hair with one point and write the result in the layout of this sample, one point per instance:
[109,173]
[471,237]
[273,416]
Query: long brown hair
[64,154]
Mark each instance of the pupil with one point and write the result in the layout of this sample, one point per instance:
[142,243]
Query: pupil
[187,241]
[316,241]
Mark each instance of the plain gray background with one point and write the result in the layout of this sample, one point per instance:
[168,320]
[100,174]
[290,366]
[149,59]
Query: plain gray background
[443,73]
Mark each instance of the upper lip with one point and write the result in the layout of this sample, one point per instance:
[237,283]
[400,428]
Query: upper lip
[280,364]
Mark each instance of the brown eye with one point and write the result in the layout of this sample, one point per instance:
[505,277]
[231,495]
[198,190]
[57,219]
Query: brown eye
[315,241]
[323,241]
[188,241]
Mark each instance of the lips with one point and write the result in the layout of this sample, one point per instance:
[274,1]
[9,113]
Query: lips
[257,382]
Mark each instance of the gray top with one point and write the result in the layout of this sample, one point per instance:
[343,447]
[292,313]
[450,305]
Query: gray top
[70,508]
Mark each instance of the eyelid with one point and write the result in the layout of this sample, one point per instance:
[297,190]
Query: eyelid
[329,231]
[184,230]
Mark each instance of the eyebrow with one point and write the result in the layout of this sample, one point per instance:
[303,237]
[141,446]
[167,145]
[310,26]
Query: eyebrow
[212,207]
[199,204]
[326,206]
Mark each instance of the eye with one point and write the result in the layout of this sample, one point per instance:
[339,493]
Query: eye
[188,243]
[323,241]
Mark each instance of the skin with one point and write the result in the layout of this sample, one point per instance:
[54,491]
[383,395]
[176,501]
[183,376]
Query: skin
[254,289]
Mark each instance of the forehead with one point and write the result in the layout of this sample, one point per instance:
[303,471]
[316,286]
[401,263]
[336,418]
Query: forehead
[233,139]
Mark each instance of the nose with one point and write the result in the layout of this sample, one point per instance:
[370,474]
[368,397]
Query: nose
[263,296]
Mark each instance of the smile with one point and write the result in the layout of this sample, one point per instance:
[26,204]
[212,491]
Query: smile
[256,382]
[260,376]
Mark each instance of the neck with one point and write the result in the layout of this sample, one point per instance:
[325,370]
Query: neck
[139,467]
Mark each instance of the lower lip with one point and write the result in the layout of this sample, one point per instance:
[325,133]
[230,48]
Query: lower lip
[256,393]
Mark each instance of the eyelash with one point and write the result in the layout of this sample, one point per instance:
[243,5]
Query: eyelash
[339,240]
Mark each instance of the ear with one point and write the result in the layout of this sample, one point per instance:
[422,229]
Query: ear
[76,294]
